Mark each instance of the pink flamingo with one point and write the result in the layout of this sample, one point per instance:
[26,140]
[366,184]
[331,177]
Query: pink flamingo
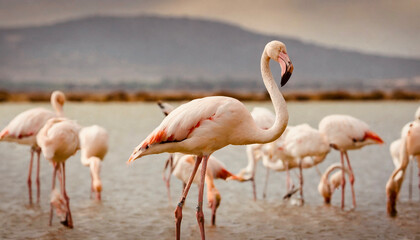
[409,146]
[93,147]
[327,185]
[59,140]
[24,128]
[347,133]
[205,125]
[305,147]
[303,141]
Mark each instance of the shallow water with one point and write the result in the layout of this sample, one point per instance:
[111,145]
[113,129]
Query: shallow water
[135,204]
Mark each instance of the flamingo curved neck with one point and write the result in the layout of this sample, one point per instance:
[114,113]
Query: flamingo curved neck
[57,107]
[280,107]
[330,170]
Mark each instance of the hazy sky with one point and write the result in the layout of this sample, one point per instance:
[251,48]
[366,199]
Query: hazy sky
[377,26]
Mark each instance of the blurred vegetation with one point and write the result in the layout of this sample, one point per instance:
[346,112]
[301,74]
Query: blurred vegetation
[172,95]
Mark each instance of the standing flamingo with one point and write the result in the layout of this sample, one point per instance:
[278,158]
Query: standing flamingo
[205,125]
[24,128]
[327,186]
[304,141]
[276,157]
[59,140]
[93,147]
[347,133]
[183,165]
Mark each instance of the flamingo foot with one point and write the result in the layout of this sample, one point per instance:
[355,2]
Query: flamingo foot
[68,222]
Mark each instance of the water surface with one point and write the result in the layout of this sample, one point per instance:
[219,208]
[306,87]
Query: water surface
[135,205]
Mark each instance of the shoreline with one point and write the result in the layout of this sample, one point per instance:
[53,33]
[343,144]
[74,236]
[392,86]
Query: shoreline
[173,95]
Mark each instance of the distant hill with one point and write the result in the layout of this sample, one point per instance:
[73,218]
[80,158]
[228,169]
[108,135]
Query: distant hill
[159,52]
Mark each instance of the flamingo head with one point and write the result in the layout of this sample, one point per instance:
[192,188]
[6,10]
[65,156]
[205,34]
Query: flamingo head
[214,198]
[277,51]
[393,187]
[324,189]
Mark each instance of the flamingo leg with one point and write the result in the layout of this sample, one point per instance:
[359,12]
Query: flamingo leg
[351,179]
[410,181]
[343,180]
[199,214]
[287,176]
[254,170]
[167,180]
[38,168]
[254,188]
[418,165]
[52,189]
[68,222]
[301,179]
[92,189]
[29,181]
[178,210]
[266,182]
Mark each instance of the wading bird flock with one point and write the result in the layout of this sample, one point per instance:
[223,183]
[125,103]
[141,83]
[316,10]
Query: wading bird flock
[192,132]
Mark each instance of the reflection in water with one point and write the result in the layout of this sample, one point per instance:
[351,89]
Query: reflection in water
[135,204]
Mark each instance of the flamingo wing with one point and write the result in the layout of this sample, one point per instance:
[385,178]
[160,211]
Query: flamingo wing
[26,125]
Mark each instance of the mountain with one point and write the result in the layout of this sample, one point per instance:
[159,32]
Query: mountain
[161,52]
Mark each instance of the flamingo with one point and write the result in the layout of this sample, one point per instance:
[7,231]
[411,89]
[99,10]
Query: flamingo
[264,118]
[276,157]
[409,146]
[205,125]
[304,141]
[327,186]
[93,147]
[59,140]
[345,133]
[183,165]
[394,150]
[24,128]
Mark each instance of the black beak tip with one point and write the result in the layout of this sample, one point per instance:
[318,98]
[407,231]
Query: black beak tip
[287,75]
[285,78]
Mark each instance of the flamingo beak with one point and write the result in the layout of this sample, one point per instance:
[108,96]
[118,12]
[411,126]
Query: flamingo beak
[286,67]
[373,136]
[133,156]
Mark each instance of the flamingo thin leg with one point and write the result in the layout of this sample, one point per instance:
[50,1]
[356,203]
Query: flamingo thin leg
[266,182]
[343,180]
[29,181]
[178,210]
[52,189]
[301,179]
[287,177]
[410,181]
[92,189]
[38,184]
[199,214]
[351,179]
[68,222]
